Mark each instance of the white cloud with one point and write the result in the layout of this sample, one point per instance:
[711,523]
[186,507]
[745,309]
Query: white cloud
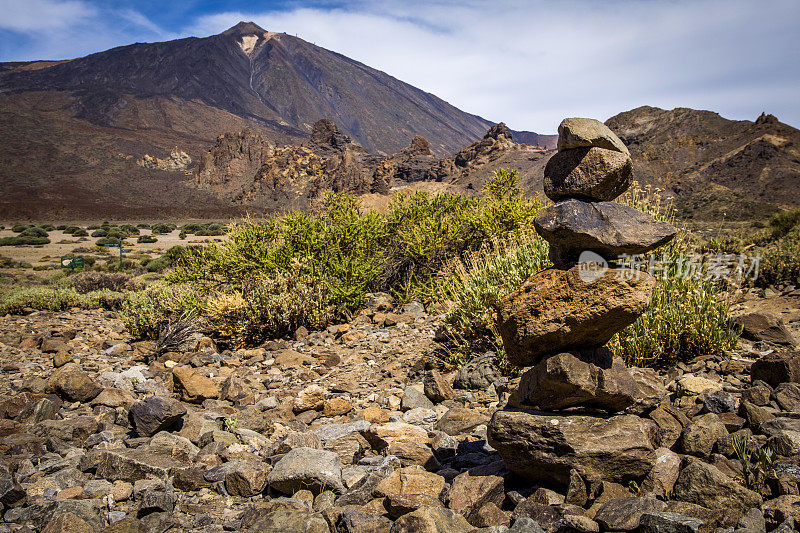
[532,63]
[39,15]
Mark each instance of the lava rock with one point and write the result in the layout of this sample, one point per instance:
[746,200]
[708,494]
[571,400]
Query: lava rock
[555,311]
[777,368]
[580,132]
[307,468]
[155,414]
[590,173]
[609,229]
[768,327]
[70,382]
[545,448]
[564,380]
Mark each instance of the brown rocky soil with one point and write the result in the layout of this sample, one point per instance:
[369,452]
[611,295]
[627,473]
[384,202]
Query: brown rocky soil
[359,428]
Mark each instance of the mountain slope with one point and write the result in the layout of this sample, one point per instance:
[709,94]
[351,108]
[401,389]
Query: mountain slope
[280,82]
[713,166]
[74,131]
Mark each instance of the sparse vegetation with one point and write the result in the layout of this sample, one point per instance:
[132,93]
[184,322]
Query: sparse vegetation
[86,282]
[308,269]
[59,298]
[758,464]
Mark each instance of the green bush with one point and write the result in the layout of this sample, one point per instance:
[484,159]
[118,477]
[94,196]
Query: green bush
[48,227]
[80,232]
[146,239]
[687,317]
[269,307]
[780,260]
[473,286]
[100,232]
[34,232]
[309,269]
[167,260]
[204,229]
[19,228]
[783,222]
[426,232]
[57,298]
[105,241]
[146,312]
[162,228]
[128,230]
[69,230]
[17,241]
[86,282]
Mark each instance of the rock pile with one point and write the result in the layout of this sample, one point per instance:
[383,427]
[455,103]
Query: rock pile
[558,321]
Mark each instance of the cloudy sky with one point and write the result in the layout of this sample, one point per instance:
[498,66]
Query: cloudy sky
[528,63]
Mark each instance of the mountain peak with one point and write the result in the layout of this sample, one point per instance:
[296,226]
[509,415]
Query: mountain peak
[244,28]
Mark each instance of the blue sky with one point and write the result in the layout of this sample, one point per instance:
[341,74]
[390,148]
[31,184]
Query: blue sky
[528,63]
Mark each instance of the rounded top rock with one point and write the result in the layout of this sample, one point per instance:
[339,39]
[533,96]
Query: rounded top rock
[588,132]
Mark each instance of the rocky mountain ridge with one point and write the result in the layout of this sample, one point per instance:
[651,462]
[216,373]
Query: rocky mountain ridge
[74,129]
[714,167]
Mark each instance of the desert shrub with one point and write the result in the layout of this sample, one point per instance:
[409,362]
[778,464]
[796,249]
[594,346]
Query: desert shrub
[35,232]
[17,241]
[339,246]
[269,307]
[309,269]
[203,229]
[687,317]
[145,312]
[85,282]
[472,286]
[115,265]
[163,262]
[70,230]
[48,227]
[146,239]
[426,232]
[100,232]
[80,232]
[105,241]
[143,225]
[783,222]
[58,298]
[129,229]
[780,260]
[30,235]
[19,228]
[162,228]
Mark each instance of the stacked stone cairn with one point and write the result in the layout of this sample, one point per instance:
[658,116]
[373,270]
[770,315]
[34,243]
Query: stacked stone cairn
[575,415]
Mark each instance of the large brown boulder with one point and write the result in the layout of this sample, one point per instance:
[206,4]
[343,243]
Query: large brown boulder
[580,132]
[71,383]
[556,311]
[706,485]
[194,386]
[155,414]
[767,327]
[591,173]
[543,448]
[606,228]
[777,368]
[566,380]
